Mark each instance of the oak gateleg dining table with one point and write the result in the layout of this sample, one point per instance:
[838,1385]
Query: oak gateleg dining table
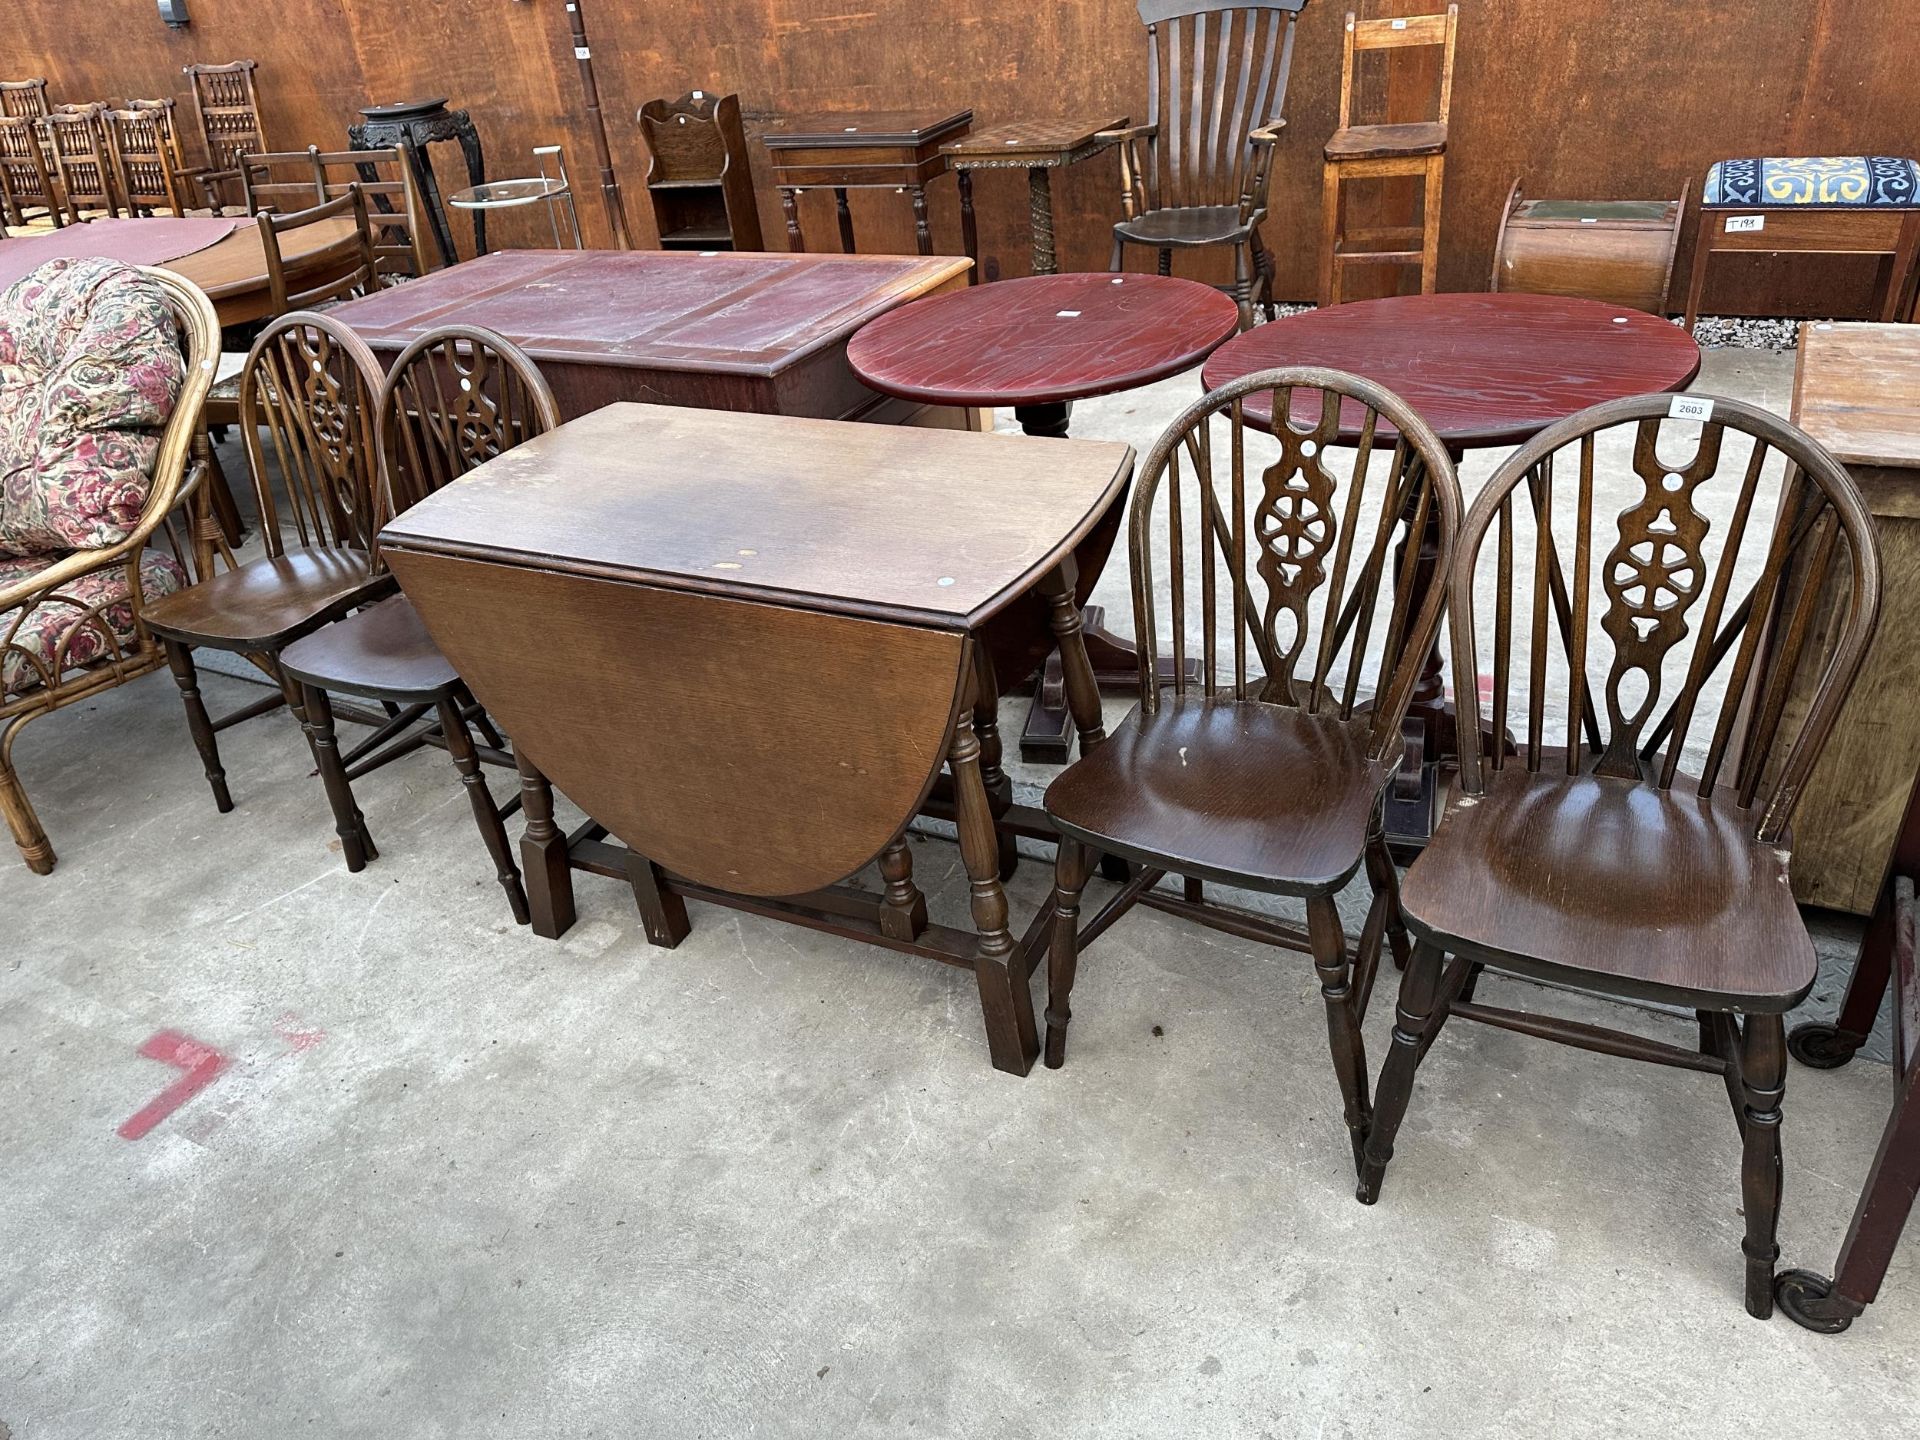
[754,648]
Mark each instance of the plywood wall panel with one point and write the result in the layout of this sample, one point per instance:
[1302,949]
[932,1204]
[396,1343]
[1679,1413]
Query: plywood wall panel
[1582,97]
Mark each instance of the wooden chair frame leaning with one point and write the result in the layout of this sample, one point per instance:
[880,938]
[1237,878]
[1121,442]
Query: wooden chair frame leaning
[1521,875]
[175,480]
[1185,189]
[1210,763]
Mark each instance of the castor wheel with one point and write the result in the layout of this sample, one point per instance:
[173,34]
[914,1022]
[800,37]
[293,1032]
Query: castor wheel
[1809,1301]
[1820,1046]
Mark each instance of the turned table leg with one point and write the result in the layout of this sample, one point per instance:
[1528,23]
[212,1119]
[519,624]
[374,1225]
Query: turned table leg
[790,207]
[845,212]
[1006,1001]
[543,855]
[1040,219]
[969,226]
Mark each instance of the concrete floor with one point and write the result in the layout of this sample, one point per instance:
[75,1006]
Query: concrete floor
[460,1181]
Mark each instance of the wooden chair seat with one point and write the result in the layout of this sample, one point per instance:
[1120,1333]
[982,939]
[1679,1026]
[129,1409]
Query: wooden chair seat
[264,603]
[1253,794]
[383,652]
[1174,227]
[1667,895]
[1379,142]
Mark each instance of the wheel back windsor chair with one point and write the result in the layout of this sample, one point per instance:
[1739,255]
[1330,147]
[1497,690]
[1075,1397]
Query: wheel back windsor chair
[1271,780]
[1629,859]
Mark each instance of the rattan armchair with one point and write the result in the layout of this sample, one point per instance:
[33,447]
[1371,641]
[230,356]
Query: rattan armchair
[71,626]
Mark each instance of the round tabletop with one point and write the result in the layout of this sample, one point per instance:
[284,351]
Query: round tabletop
[501,194]
[1042,339]
[234,272]
[1482,370]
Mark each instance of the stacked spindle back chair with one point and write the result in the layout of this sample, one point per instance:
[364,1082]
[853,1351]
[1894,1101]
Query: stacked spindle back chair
[1637,844]
[26,184]
[227,106]
[1296,573]
[145,160]
[83,160]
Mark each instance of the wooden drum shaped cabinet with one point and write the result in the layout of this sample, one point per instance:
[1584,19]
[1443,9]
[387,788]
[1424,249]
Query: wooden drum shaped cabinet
[1616,251]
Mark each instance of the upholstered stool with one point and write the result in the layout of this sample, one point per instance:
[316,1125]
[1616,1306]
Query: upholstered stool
[1834,205]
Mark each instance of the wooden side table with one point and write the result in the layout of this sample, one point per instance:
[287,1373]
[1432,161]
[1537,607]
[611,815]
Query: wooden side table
[1853,392]
[1039,147]
[866,152]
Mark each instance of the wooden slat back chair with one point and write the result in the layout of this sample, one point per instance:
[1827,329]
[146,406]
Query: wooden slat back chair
[1384,152]
[1196,173]
[94,586]
[306,415]
[1638,847]
[343,270]
[24,99]
[25,182]
[1299,574]
[228,109]
[144,161]
[83,159]
[455,398]
[396,218]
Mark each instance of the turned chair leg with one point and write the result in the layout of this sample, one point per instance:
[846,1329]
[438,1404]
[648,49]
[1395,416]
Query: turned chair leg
[1264,267]
[1418,988]
[1243,287]
[35,848]
[348,823]
[1329,944]
[1070,870]
[1384,876]
[1165,266]
[1763,1077]
[199,724]
[485,813]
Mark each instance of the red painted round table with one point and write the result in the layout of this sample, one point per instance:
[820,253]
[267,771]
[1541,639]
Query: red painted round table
[1038,344]
[1483,371]
[1042,342]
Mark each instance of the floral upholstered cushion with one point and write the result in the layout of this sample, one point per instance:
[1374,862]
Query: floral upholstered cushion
[49,622]
[90,367]
[1854,181]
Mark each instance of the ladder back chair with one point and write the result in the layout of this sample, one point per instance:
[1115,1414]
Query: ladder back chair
[1196,173]
[25,182]
[396,218]
[146,166]
[343,269]
[188,180]
[1383,152]
[228,108]
[1303,571]
[1636,846]
[306,416]
[83,159]
[455,398]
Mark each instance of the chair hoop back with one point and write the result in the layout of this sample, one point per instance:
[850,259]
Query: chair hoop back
[1325,562]
[1645,589]
[310,387]
[455,398]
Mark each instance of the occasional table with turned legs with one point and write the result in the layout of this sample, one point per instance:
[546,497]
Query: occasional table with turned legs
[1485,371]
[1039,147]
[1037,344]
[899,152]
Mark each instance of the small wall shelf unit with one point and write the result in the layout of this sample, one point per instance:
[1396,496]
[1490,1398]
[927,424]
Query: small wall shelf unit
[698,179]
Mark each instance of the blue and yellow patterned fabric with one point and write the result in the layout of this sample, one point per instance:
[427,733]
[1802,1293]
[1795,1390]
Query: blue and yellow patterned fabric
[1852,181]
